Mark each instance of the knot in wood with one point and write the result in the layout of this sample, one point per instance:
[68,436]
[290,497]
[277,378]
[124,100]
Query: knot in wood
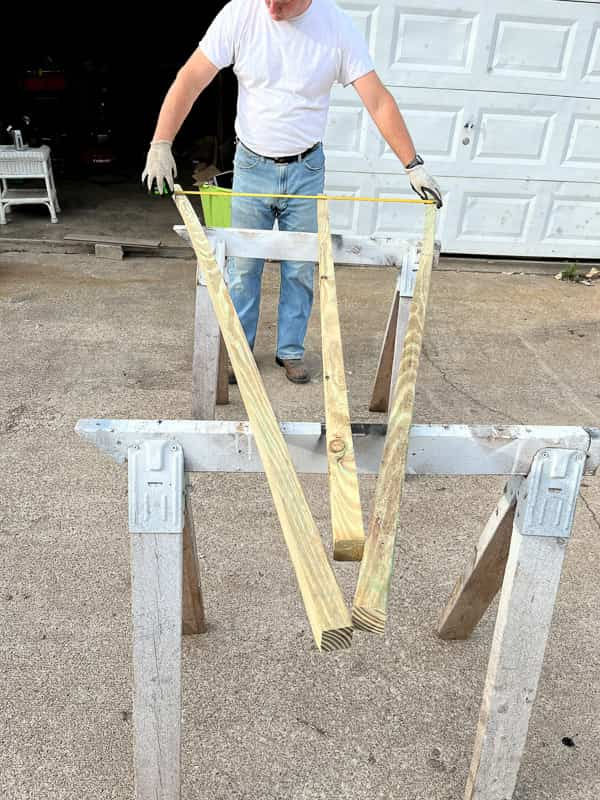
[337,446]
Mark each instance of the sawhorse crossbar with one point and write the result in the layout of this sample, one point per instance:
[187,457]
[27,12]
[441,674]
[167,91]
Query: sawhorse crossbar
[520,553]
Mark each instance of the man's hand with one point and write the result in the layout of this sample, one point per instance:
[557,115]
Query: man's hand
[160,166]
[424,185]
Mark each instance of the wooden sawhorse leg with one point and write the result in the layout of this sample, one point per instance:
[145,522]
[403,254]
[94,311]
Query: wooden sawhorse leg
[193,617]
[543,507]
[395,331]
[209,362]
[166,598]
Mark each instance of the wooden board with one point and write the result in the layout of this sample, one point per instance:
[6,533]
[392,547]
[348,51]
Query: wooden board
[328,616]
[92,238]
[193,619]
[156,577]
[383,378]
[344,496]
[482,578]
[369,611]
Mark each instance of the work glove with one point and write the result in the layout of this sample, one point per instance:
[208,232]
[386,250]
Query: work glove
[422,182]
[160,167]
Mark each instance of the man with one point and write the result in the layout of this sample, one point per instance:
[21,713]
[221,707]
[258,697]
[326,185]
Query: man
[287,54]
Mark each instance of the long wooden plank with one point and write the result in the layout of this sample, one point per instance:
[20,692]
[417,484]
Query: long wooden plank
[369,611]
[383,378]
[362,251]
[344,495]
[156,579]
[327,613]
[482,579]
[193,616]
[94,239]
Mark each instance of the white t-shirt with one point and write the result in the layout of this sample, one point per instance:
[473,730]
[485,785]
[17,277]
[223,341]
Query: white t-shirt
[285,70]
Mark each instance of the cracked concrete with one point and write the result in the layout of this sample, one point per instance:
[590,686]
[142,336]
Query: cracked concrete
[266,717]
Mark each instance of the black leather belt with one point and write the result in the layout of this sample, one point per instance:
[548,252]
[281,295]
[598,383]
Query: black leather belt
[286,159]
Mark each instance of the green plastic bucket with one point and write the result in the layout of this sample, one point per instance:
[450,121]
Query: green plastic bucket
[217,210]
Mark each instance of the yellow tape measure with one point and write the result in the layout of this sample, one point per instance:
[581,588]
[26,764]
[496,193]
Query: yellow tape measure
[312,197]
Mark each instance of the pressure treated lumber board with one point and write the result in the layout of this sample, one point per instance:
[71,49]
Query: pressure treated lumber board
[328,616]
[344,496]
[371,599]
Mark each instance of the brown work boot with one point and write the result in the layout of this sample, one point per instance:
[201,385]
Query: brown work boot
[295,370]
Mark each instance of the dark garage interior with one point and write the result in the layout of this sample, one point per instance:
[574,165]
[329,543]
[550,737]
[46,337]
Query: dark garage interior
[93,97]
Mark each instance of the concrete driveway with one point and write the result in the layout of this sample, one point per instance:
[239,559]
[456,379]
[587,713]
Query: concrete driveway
[265,715]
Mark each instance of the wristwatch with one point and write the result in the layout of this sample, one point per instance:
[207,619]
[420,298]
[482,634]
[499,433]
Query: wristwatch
[416,162]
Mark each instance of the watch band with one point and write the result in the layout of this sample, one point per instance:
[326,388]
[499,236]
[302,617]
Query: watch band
[416,162]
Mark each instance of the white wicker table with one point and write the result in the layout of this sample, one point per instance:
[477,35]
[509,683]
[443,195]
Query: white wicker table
[30,162]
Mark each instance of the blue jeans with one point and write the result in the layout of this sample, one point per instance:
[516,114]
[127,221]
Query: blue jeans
[253,173]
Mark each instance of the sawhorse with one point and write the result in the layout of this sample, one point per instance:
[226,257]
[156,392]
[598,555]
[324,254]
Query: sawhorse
[209,371]
[520,552]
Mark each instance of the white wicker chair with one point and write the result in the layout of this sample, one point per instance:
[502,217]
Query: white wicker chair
[30,162]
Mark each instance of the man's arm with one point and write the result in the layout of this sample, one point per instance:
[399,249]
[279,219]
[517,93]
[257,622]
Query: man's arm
[386,115]
[190,82]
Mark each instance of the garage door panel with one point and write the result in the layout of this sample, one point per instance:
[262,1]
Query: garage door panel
[523,136]
[583,143]
[497,215]
[348,130]
[573,220]
[439,128]
[476,134]
[533,48]
[484,46]
[591,72]
[345,216]
[434,41]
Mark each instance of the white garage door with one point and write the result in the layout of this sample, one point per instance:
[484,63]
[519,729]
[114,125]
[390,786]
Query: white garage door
[501,100]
